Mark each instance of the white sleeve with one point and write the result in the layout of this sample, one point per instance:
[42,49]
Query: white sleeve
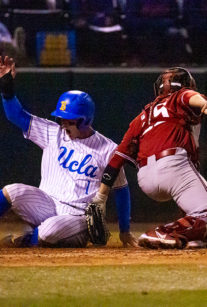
[41,131]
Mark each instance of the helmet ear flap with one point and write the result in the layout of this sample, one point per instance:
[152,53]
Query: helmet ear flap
[88,121]
[83,123]
[79,123]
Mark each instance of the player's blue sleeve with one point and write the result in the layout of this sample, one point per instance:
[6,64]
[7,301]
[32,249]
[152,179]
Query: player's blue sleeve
[16,114]
[123,205]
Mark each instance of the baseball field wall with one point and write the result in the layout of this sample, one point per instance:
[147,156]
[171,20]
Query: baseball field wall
[119,94]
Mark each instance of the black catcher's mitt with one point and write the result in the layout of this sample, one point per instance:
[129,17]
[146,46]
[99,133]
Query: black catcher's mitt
[98,232]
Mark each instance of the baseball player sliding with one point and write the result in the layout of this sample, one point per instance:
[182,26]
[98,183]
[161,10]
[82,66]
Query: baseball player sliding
[163,142]
[74,157]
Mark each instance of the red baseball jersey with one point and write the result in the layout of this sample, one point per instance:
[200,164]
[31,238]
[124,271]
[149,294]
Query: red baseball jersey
[167,122]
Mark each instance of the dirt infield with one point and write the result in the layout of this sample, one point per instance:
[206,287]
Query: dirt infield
[11,257]
[112,254]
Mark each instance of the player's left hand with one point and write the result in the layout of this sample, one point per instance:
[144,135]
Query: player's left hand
[97,228]
[127,238]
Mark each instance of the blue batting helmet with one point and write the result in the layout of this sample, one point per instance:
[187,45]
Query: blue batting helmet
[75,105]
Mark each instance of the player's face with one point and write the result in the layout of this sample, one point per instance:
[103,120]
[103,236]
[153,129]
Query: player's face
[70,126]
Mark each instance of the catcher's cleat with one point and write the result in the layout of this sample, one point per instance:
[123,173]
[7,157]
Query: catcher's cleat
[158,239]
[176,234]
[196,244]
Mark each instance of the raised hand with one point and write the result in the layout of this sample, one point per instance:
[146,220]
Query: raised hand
[6,65]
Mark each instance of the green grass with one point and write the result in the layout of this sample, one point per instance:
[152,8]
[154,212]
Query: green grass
[152,299]
[104,286]
[133,285]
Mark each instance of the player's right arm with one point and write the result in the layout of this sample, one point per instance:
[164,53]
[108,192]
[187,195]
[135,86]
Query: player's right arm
[198,101]
[12,107]
[39,130]
[125,152]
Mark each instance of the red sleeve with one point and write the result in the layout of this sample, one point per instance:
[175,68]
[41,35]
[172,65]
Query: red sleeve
[186,95]
[128,148]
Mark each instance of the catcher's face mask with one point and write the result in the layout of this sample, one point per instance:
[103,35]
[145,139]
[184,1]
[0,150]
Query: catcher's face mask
[172,80]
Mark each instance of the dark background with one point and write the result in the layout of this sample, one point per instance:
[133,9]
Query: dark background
[119,96]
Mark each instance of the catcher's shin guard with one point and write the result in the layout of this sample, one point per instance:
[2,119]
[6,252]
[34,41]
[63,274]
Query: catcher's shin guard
[174,235]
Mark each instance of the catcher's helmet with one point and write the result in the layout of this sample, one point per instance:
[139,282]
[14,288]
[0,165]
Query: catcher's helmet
[75,105]
[172,80]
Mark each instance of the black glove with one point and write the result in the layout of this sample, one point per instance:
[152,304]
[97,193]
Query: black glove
[7,85]
[98,232]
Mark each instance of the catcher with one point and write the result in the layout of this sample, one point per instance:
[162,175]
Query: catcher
[162,141]
[73,160]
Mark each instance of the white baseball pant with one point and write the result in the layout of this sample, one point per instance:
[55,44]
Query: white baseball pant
[175,177]
[58,224]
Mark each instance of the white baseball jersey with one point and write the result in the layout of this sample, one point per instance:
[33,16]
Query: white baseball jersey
[71,170]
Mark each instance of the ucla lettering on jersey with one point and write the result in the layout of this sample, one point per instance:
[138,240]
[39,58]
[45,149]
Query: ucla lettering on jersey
[66,161]
[71,170]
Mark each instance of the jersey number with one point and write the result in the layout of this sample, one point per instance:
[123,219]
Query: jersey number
[161,110]
[87,187]
[158,109]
